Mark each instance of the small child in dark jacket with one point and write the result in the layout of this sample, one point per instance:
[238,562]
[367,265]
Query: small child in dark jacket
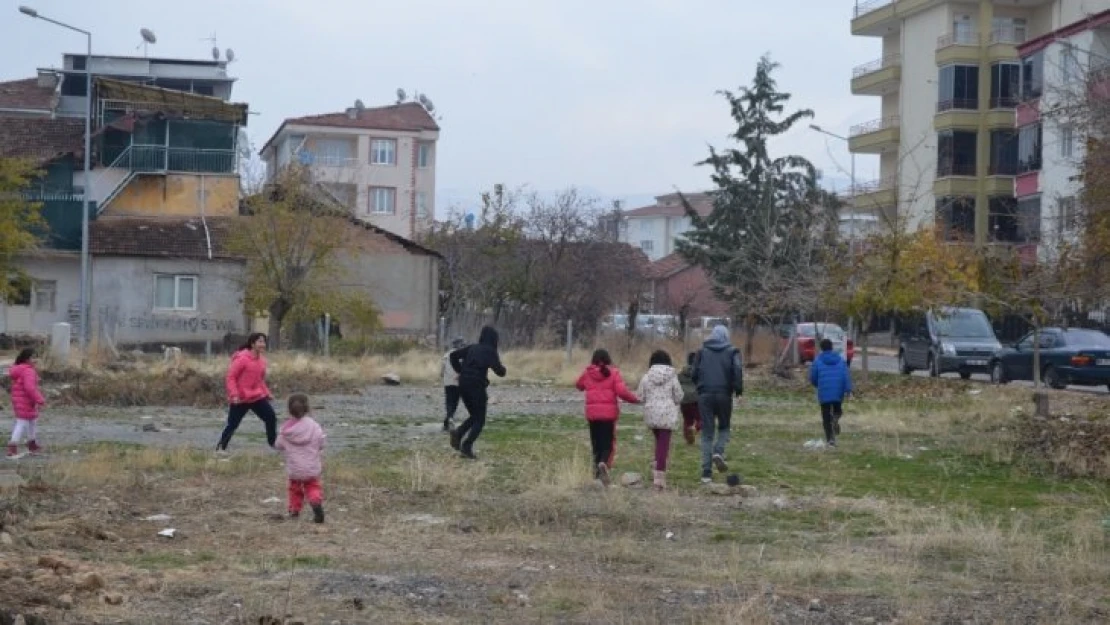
[829,374]
[691,416]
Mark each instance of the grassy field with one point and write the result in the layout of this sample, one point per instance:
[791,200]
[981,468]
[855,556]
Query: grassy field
[925,514]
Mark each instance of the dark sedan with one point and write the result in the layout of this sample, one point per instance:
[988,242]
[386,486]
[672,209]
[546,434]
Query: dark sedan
[1067,356]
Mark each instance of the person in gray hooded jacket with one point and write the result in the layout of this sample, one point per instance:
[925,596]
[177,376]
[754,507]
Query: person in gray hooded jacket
[719,374]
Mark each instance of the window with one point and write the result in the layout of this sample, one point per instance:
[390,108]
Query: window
[1067,141]
[421,204]
[955,217]
[1029,219]
[334,152]
[383,200]
[958,87]
[1032,76]
[963,30]
[1029,148]
[1009,30]
[73,85]
[45,295]
[383,152]
[647,246]
[1067,214]
[1004,153]
[1071,70]
[1002,219]
[955,153]
[424,155]
[175,292]
[1005,85]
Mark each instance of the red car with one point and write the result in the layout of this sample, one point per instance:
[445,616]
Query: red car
[807,333]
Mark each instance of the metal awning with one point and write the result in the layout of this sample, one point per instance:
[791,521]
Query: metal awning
[171,102]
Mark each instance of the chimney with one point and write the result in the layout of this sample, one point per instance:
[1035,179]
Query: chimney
[352,113]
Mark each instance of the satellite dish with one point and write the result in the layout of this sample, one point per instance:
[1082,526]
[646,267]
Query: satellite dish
[230,54]
[423,99]
[401,96]
[148,35]
[428,105]
[215,53]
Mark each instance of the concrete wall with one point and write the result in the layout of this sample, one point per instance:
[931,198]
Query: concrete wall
[404,286]
[62,269]
[178,195]
[123,301]
[917,156]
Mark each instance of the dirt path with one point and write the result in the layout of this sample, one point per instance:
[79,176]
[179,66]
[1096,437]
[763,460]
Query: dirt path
[381,414]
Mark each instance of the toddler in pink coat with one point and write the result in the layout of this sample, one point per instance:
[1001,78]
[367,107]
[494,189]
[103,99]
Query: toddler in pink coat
[26,401]
[301,439]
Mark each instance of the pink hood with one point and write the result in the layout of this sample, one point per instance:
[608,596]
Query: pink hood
[302,440]
[26,397]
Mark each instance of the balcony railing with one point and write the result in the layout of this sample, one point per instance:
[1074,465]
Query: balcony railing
[960,38]
[1007,102]
[874,125]
[309,158]
[962,104]
[890,60]
[1003,169]
[872,186]
[1009,35]
[945,170]
[151,158]
[863,8]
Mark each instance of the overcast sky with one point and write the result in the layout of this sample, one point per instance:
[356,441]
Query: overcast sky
[614,96]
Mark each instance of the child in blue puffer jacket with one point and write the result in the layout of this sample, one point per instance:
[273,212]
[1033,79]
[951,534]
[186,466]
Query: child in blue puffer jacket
[830,375]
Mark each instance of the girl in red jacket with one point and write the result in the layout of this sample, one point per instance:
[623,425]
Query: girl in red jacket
[604,387]
[247,391]
[26,400]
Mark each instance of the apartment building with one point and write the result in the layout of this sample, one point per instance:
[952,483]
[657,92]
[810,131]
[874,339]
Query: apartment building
[949,80]
[1066,66]
[380,162]
[655,228]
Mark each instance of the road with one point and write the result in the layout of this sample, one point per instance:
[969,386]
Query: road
[889,364]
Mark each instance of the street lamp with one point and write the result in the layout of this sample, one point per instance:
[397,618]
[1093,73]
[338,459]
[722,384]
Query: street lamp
[852,218]
[84,330]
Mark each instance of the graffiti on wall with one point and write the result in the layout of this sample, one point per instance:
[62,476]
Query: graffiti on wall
[147,322]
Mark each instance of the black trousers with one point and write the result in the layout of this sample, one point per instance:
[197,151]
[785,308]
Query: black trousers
[830,414]
[475,399]
[235,414]
[451,396]
[603,441]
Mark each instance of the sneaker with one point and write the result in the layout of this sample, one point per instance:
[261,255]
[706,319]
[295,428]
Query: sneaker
[447,426]
[34,448]
[706,477]
[317,513]
[719,463]
[603,474]
[468,453]
[13,451]
[456,439]
[831,443]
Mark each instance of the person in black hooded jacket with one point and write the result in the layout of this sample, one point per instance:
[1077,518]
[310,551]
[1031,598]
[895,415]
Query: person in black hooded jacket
[473,363]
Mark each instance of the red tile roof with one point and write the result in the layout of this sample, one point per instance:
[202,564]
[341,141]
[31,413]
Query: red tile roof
[41,138]
[673,207]
[667,266]
[25,94]
[162,237]
[407,117]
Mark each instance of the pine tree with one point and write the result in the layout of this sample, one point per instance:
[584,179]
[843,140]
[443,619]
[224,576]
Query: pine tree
[760,242]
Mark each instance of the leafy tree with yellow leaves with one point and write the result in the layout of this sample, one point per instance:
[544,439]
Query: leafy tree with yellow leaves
[20,223]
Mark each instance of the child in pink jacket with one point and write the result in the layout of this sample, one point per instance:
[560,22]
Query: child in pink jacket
[26,401]
[301,439]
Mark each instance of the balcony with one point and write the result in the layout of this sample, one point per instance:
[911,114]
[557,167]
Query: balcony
[878,77]
[958,47]
[873,17]
[874,196]
[159,158]
[947,170]
[876,136]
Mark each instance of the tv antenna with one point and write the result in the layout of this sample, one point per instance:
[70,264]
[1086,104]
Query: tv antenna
[148,38]
[229,54]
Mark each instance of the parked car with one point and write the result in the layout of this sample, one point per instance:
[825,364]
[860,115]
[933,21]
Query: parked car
[947,340]
[809,333]
[1067,356]
[701,328]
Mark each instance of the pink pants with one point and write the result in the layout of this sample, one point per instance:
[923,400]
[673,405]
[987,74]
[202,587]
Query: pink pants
[662,448]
